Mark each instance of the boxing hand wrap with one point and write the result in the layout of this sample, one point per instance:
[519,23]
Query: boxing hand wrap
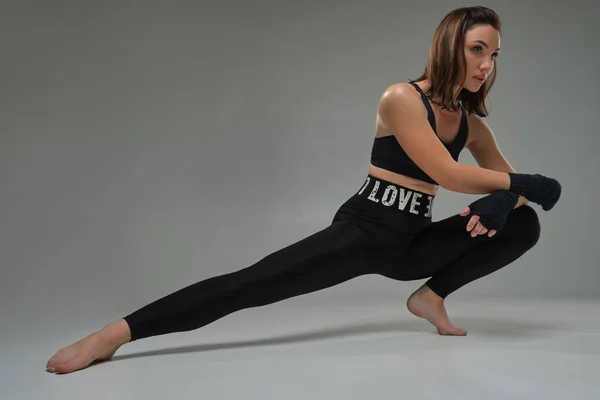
[537,188]
[494,208]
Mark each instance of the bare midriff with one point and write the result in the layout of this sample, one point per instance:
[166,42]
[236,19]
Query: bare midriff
[403,180]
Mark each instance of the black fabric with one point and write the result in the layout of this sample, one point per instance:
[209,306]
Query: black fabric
[371,233]
[537,188]
[494,208]
[387,153]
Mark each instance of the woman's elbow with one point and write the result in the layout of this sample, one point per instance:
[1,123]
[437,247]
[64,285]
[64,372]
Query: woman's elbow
[448,183]
[447,178]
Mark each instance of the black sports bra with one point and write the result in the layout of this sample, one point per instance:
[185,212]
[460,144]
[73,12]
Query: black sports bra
[388,154]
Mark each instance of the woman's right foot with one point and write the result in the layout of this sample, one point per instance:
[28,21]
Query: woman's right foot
[424,303]
[99,346]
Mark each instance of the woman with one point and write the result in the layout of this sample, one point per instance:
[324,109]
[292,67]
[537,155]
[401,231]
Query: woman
[386,227]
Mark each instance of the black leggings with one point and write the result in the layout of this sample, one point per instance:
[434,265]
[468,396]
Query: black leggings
[389,233]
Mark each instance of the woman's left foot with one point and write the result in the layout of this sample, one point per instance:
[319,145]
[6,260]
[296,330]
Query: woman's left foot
[99,346]
[425,304]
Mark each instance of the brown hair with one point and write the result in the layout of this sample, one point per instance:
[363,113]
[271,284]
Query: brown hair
[446,63]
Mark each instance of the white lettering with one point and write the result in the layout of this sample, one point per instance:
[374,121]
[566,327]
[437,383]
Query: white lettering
[404,196]
[429,206]
[392,196]
[415,203]
[374,192]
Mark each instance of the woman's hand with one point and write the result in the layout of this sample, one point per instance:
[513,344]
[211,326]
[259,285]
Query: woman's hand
[475,226]
[489,213]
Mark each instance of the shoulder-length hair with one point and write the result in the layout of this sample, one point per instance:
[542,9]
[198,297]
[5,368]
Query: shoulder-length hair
[445,69]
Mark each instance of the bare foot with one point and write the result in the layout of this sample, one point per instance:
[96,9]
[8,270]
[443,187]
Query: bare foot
[99,346]
[425,304]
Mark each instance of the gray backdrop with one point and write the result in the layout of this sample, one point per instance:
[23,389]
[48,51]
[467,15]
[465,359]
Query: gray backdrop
[147,145]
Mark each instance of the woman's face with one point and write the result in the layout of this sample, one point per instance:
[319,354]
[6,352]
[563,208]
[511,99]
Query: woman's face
[482,44]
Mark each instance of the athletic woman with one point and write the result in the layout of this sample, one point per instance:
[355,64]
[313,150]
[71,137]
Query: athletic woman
[386,226]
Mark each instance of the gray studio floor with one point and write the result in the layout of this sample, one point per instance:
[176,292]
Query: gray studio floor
[515,349]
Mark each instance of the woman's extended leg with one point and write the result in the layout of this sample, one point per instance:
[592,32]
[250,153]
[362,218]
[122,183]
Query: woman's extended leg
[327,258]
[447,254]
[369,230]
[336,254]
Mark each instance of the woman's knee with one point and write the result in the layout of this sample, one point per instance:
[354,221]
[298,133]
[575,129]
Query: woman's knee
[525,223]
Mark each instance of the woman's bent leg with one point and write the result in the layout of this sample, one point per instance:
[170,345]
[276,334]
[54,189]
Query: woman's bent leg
[447,254]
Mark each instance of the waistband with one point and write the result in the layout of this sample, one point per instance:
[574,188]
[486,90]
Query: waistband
[396,197]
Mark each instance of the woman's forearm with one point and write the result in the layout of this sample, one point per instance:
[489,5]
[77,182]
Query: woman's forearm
[474,185]
[470,179]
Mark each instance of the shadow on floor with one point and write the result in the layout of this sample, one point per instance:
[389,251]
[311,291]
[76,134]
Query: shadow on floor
[480,327]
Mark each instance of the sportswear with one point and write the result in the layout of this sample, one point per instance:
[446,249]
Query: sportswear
[538,188]
[383,229]
[387,153]
[494,208]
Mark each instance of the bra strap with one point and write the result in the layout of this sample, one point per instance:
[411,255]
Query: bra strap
[430,114]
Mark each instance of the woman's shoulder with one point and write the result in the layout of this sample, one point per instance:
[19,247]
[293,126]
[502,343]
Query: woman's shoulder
[400,91]
[400,97]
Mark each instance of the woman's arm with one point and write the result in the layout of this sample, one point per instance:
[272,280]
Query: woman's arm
[402,111]
[485,150]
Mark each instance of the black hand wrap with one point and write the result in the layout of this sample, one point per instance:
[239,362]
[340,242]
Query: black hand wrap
[494,208]
[537,188]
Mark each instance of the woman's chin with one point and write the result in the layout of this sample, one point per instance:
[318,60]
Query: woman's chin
[472,88]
